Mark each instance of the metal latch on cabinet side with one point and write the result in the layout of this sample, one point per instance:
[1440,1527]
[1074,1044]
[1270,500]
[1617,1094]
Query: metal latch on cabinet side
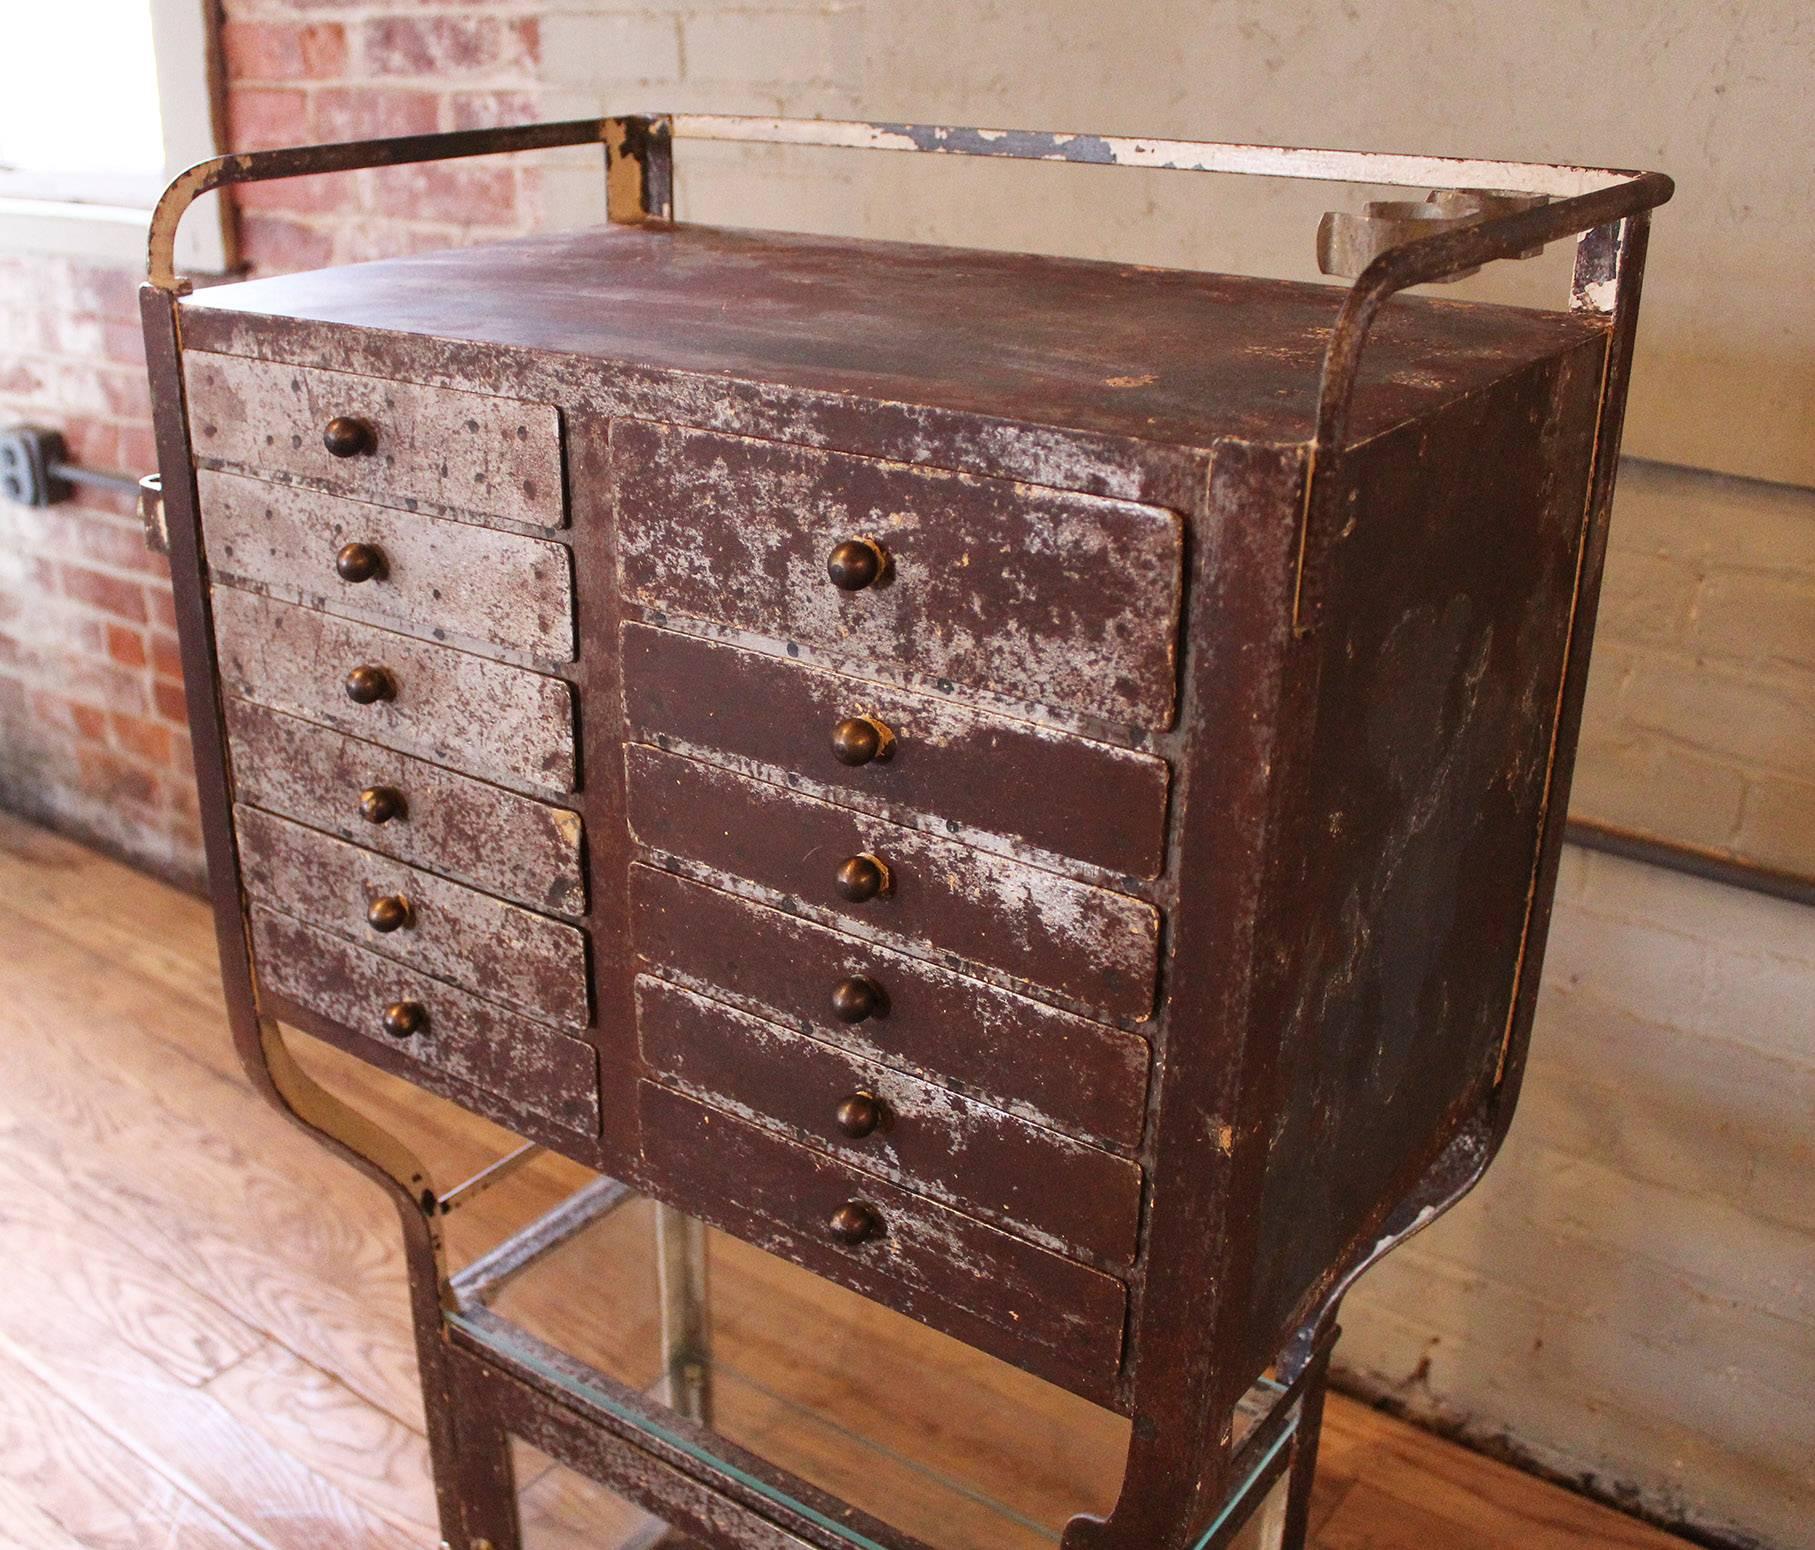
[1347,243]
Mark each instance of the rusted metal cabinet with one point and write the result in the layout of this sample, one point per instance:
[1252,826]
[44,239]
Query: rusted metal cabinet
[1028,788]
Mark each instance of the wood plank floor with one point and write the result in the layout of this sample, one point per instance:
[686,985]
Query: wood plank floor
[203,1333]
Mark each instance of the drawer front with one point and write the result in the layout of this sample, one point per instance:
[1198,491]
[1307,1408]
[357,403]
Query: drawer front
[1031,1059]
[1097,947]
[484,717]
[1050,1315]
[1063,794]
[1065,600]
[507,844]
[519,1061]
[927,1138]
[502,952]
[449,580]
[433,448]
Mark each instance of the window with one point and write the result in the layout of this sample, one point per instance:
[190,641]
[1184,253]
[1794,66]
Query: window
[107,100]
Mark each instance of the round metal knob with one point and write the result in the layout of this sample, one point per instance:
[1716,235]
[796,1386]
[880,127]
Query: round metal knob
[861,878]
[367,685]
[859,739]
[857,998]
[861,1115]
[389,913]
[380,804]
[359,562]
[405,1019]
[854,1223]
[855,564]
[345,436]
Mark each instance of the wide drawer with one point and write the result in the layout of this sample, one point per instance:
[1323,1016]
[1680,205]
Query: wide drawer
[977,1158]
[427,575]
[1067,795]
[1028,593]
[1021,1055]
[1090,944]
[1040,1311]
[521,1062]
[423,447]
[500,951]
[485,717]
[420,813]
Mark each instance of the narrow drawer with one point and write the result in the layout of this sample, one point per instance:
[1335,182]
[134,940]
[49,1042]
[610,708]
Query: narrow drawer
[1086,1078]
[972,1156]
[1038,595]
[481,834]
[1040,1311]
[453,932]
[430,576]
[420,447]
[519,1061]
[484,717]
[1090,944]
[1068,795]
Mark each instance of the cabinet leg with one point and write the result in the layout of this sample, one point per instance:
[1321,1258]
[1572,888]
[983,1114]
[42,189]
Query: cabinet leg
[1303,1471]
[680,1244]
[487,1484]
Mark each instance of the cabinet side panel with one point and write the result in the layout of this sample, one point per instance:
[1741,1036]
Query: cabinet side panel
[1422,713]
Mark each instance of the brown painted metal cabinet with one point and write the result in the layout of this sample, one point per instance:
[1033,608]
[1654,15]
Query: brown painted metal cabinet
[1030,788]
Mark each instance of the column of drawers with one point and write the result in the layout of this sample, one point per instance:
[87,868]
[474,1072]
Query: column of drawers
[892,904]
[393,603]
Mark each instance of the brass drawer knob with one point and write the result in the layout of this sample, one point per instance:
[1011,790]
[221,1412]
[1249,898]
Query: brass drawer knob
[862,878]
[380,804]
[854,1223]
[405,1019]
[859,739]
[857,998]
[861,1115]
[345,436]
[389,913]
[359,562]
[855,564]
[367,685]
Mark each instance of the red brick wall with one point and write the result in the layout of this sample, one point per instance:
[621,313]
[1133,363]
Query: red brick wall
[92,729]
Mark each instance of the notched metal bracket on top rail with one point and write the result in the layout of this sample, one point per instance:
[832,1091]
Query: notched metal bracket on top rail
[1477,212]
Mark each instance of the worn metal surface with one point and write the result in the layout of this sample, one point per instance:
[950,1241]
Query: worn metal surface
[1060,1192]
[446,581]
[474,832]
[1063,599]
[500,951]
[1048,1066]
[1052,1316]
[466,454]
[949,768]
[948,902]
[482,717]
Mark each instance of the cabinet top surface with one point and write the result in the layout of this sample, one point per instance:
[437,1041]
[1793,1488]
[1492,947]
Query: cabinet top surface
[1166,356]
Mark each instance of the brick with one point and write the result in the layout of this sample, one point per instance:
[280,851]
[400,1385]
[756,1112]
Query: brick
[1647,597]
[112,779]
[1760,720]
[69,715]
[260,118]
[127,647]
[115,595]
[169,700]
[631,47]
[166,654]
[1777,821]
[459,193]
[1758,619]
[443,46]
[490,110]
[282,51]
[140,736]
[756,48]
[275,245]
[365,112]
[300,196]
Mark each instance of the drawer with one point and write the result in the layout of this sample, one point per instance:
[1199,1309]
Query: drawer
[1090,944]
[484,717]
[1035,1309]
[1063,794]
[926,1138]
[429,576]
[1024,1056]
[502,952]
[426,447]
[522,1062]
[1033,594]
[506,844]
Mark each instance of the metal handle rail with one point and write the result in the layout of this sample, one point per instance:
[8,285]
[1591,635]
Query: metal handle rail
[1601,206]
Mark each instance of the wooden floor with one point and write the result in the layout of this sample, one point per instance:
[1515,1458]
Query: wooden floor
[203,1334]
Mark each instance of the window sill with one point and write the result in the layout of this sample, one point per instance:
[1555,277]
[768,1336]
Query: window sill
[112,234]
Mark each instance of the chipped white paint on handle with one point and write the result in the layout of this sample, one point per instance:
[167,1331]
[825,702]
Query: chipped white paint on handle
[507,844]
[501,951]
[442,579]
[432,448]
[481,716]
